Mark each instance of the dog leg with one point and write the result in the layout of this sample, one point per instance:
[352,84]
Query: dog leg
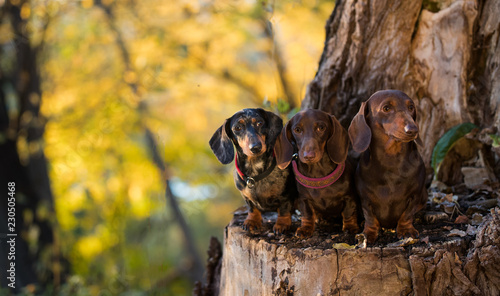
[350,224]
[308,219]
[349,217]
[405,226]
[372,226]
[253,220]
[306,228]
[283,222]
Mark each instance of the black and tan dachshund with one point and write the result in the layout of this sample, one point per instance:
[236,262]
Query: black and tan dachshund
[390,177]
[262,184]
[323,174]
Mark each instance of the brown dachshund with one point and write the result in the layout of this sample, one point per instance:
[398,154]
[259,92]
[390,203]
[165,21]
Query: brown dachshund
[322,173]
[390,176]
[262,184]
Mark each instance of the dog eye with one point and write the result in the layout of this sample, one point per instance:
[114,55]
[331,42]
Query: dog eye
[411,108]
[321,128]
[297,130]
[386,108]
[259,123]
[237,128]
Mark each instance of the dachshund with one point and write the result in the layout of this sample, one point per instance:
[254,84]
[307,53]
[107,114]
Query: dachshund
[390,176]
[262,184]
[323,175]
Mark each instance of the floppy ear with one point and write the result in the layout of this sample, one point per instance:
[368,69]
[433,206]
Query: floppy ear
[283,149]
[274,126]
[359,132]
[221,144]
[338,143]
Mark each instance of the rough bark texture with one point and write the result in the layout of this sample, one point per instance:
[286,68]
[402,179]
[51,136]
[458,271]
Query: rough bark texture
[461,266]
[446,60]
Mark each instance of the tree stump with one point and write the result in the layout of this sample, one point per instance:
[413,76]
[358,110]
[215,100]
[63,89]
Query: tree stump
[438,264]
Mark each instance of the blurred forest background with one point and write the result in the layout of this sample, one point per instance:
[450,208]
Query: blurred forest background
[112,98]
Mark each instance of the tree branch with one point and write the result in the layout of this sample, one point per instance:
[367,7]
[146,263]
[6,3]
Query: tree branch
[277,56]
[197,268]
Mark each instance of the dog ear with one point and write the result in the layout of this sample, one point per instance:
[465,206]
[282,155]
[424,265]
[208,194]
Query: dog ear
[221,144]
[338,143]
[359,132]
[283,149]
[274,126]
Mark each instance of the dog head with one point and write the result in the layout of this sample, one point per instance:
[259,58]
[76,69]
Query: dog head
[311,132]
[388,113]
[251,131]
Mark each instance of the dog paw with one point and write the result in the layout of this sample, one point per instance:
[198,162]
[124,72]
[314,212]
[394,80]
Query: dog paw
[252,225]
[407,232]
[304,231]
[282,226]
[371,236]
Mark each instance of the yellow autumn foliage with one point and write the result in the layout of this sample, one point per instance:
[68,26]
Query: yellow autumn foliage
[180,67]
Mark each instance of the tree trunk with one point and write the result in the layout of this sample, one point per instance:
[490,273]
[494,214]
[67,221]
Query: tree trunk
[23,164]
[257,265]
[445,55]
[447,61]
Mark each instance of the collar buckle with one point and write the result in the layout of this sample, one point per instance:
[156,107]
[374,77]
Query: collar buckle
[250,182]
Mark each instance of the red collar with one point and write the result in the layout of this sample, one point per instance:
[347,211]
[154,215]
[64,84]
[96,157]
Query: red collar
[317,183]
[250,181]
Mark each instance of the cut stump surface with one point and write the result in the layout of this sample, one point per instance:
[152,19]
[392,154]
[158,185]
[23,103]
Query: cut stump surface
[448,259]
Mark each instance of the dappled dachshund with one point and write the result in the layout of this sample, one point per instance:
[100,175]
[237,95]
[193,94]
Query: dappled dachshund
[390,175]
[321,170]
[262,184]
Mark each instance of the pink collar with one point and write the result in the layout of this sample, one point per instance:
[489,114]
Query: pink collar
[317,183]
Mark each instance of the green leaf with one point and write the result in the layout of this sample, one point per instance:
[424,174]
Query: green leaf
[447,141]
[283,106]
[496,140]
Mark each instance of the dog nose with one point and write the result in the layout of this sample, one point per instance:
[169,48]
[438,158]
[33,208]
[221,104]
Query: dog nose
[411,129]
[310,155]
[255,147]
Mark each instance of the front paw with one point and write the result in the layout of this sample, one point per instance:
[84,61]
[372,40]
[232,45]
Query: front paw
[282,224]
[304,231]
[371,235]
[252,224]
[407,232]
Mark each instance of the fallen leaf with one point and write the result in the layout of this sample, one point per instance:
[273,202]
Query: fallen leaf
[457,232]
[477,219]
[462,219]
[343,246]
[471,230]
[434,217]
[403,242]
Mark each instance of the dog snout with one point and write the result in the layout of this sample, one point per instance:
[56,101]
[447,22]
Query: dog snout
[255,147]
[309,155]
[411,129]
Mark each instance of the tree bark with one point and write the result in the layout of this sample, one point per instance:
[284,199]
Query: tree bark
[447,61]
